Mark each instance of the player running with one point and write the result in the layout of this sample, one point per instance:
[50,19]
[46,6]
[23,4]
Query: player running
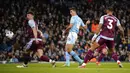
[107,24]
[35,44]
[103,52]
[75,23]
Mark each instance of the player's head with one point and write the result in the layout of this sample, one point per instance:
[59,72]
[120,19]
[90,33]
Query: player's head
[30,15]
[109,10]
[73,11]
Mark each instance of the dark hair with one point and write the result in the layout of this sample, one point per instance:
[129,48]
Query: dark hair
[72,8]
[30,13]
[110,9]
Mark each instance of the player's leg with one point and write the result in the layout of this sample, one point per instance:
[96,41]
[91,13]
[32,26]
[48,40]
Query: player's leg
[26,55]
[67,57]
[26,59]
[42,57]
[96,53]
[90,52]
[99,41]
[71,52]
[101,56]
[110,45]
[71,39]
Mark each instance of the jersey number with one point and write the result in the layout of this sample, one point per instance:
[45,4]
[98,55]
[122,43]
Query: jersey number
[110,24]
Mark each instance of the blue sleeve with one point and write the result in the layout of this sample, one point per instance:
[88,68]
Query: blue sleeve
[82,23]
[72,20]
[118,22]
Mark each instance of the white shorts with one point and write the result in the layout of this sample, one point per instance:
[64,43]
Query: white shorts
[72,37]
[28,45]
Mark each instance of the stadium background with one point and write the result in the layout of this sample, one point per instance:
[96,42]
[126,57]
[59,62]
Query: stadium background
[52,17]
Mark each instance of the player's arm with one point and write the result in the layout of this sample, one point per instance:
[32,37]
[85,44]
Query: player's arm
[100,25]
[67,29]
[34,32]
[34,28]
[120,28]
[70,25]
[98,29]
[41,33]
[86,26]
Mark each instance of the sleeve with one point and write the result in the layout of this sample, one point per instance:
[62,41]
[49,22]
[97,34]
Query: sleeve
[101,20]
[118,23]
[31,23]
[82,23]
[72,20]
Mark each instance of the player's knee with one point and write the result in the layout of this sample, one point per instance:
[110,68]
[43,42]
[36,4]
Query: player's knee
[69,48]
[39,52]
[104,51]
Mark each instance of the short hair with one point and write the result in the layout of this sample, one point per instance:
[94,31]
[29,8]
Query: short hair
[30,13]
[110,9]
[72,8]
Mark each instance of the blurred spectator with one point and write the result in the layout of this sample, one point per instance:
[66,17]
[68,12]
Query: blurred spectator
[14,60]
[94,26]
[53,16]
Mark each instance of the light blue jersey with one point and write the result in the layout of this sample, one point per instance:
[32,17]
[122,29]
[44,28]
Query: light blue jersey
[77,22]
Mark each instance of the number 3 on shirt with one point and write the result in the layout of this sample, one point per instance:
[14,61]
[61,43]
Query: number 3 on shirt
[110,24]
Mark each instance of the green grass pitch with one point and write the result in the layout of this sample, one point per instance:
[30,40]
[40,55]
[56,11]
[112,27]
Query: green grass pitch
[106,67]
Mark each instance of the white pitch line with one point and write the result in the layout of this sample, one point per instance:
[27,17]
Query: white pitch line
[90,62]
[94,69]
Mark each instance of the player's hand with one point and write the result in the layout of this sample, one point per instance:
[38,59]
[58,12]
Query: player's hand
[87,22]
[93,39]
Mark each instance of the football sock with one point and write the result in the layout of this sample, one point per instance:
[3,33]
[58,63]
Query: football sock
[114,56]
[44,58]
[88,56]
[26,58]
[76,57]
[67,57]
[101,57]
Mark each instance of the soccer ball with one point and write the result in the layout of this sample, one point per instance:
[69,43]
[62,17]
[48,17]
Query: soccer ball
[9,34]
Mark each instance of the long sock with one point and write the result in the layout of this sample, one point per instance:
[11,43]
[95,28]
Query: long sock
[76,57]
[114,56]
[26,58]
[67,56]
[101,57]
[93,56]
[44,58]
[88,56]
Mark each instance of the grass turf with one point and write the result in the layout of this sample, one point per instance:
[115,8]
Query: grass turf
[105,67]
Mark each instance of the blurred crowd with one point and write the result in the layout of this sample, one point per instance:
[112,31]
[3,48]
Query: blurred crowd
[53,16]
